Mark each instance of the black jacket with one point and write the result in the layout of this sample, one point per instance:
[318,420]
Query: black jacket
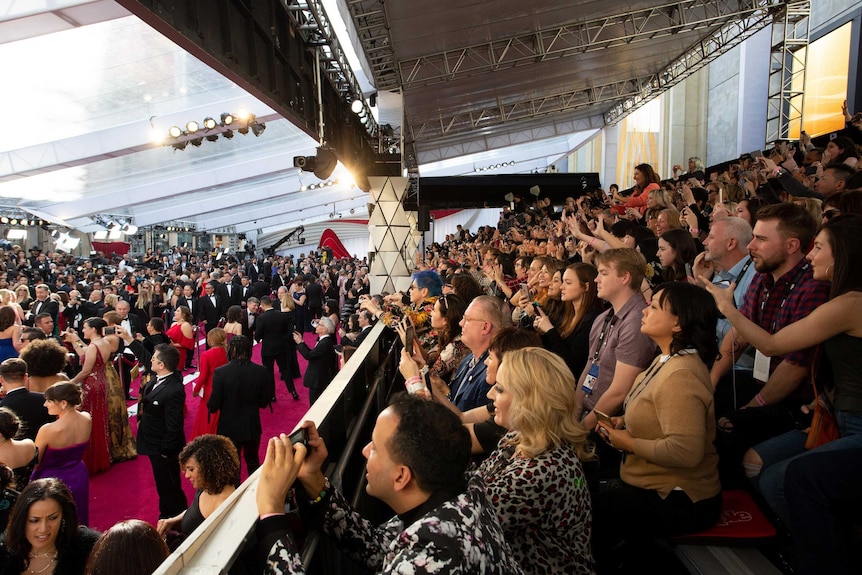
[240,389]
[322,363]
[160,417]
[274,329]
[30,408]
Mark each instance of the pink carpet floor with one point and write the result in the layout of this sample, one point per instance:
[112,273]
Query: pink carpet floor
[127,489]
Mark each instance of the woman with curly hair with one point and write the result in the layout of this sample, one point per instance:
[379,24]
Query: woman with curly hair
[534,479]
[211,464]
[46,360]
[43,535]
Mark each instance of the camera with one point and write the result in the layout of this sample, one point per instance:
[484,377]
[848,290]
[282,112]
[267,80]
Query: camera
[299,436]
[109,331]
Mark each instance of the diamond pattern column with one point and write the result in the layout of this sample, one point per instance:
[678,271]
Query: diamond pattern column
[391,237]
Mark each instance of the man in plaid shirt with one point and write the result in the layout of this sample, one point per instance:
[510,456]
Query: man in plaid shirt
[754,406]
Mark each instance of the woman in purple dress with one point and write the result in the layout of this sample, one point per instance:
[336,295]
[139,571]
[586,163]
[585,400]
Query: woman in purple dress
[61,444]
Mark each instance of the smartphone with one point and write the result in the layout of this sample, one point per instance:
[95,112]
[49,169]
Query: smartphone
[688,272]
[409,336]
[604,418]
[525,291]
[537,306]
[299,436]
[109,331]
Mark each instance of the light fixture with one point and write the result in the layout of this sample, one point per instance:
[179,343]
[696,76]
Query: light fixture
[257,129]
[356,106]
[16,234]
[243,130]
[179,146]
[115,234]
[13,222]
[227,134]
[212,138]
[175,132]
[100,235]
[243,114]
[209,123]
[4,220]
[226,119]
[196,142]
[192,127]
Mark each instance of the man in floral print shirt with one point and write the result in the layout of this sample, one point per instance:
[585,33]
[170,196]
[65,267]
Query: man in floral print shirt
[417,459]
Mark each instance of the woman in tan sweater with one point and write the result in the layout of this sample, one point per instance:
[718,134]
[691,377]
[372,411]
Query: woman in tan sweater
[669,475]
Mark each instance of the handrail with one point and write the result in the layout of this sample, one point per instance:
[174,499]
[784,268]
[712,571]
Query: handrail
[217,542]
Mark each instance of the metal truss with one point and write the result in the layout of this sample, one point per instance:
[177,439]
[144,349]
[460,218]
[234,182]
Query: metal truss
[790,33]
[372,26]
[313,24]
[702,53]
[573,39]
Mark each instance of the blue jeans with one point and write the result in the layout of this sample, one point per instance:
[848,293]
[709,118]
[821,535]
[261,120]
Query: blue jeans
[778,452]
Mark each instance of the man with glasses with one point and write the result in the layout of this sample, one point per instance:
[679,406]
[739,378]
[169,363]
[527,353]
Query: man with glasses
[160,428]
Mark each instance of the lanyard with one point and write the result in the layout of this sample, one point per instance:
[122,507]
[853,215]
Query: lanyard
[650,375]
[610,320]
[765,297]
[744,269]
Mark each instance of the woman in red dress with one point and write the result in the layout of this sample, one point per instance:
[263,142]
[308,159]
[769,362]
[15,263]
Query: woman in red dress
[182,333]
[214,357]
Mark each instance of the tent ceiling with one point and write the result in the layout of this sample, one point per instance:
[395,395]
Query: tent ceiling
[483,82]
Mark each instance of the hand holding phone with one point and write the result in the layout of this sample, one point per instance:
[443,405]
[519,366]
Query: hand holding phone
[299,436]
[604,418]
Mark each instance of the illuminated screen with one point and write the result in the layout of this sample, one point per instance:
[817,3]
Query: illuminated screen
[826,74]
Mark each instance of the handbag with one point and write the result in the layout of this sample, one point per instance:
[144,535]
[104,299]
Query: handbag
[824,427]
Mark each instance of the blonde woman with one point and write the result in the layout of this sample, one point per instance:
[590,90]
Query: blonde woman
[534,479]
[8,297]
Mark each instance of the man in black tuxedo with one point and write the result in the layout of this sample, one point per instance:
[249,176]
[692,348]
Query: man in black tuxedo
[244,291]
[260,287]
[249,317]
[160,428]
[211,308]
[314,297]
[42,304]
[229,292]
[240,389]
[322,360]
[366,322]
[189,300]
[28,405]
[273,328]
[252,270]
[132,324]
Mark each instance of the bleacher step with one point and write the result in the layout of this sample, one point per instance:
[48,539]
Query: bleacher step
[719,560]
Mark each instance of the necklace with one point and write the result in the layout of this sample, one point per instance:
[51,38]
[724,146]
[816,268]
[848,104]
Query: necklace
[46,567]
[43,555]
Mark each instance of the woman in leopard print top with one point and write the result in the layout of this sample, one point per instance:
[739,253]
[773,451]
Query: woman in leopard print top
[534,480]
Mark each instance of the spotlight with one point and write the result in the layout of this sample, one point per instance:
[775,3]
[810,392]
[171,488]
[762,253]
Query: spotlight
[212,138]
[4,220]
[243,114]
[226,119]
[196,142]
[192,127]
[180,146]
[228,134]
[243,130]
[13,222]
[257,129]
[356,106]
[175,132]
[209,123]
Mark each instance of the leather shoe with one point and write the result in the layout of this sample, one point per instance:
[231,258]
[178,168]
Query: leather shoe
[295,396]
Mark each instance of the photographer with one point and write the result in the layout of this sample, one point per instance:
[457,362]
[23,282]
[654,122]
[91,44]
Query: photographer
[416,462]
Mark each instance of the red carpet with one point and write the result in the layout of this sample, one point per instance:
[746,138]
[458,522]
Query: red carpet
[127,490]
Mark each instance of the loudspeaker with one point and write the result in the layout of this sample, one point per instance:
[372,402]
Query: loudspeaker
[424,219]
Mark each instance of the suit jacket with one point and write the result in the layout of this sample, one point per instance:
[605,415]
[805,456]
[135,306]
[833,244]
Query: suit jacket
[322,363]
[240,390]
[253,270]
[275,330]
[47,306]
[362,335]
[182,300]
[260,289]
[245,292]
[248,331]
[234,298]
[30,408]
[211,313]
[160,417]
[314,295]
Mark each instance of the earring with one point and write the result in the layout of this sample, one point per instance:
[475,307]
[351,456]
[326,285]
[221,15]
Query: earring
[62,524]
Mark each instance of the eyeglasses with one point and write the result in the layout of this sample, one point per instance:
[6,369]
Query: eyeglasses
[474,319]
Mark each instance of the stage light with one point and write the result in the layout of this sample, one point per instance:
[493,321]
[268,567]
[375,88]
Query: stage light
[209,123]
[196,142]
[13,221]
[192,127]
[243,114]
[356,106]
[228,134]
[212,138]
[4,220]
[175,132]
[257,129]
[243,130]
[226,119]
[179,146]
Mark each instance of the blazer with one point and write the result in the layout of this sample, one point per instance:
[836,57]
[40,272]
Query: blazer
[160,417]
[182,300]
[234,298]
[240,390]
[274,329]
[30,408]
[322,363]
[211,313]
[47,306]
[361,337]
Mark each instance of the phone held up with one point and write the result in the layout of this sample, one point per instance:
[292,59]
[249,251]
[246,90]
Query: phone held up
[299,436]
[603,417]
[109,331]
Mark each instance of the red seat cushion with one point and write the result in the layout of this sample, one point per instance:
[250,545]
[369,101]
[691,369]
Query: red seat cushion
[740,520]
